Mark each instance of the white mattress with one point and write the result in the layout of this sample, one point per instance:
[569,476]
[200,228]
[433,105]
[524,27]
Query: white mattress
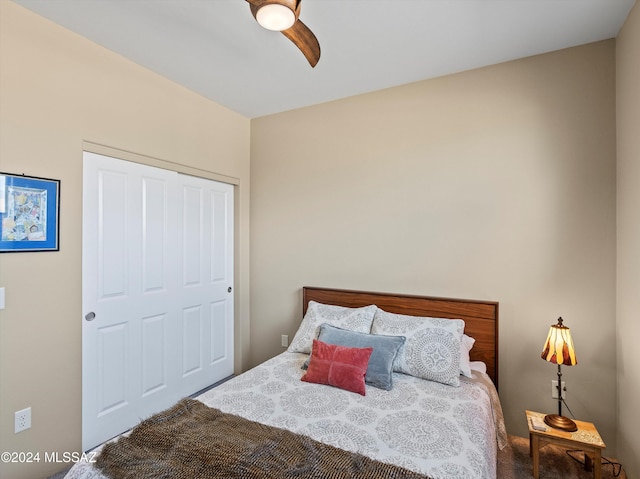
[441,431]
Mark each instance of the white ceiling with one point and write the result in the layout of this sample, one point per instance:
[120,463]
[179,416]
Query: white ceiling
[215,47]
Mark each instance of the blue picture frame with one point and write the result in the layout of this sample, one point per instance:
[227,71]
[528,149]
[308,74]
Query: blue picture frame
[29,213]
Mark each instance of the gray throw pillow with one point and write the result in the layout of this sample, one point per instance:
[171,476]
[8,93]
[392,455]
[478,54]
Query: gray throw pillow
[385,350]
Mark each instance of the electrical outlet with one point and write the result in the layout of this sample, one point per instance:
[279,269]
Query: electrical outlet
[22,420]
[554,390]
[284,340]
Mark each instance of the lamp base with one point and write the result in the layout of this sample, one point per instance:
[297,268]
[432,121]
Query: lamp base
[560,422]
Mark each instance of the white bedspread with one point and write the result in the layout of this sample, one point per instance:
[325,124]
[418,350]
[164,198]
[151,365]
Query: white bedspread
[441,431]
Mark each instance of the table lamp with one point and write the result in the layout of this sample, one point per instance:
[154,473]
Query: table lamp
[558,349]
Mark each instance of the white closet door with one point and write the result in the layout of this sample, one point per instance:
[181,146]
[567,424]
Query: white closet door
[206,281]
[157,298]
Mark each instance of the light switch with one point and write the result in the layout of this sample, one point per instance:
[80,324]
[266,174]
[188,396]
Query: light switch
[1,298]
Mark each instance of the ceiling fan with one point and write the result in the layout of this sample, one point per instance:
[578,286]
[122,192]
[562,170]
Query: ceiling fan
[282,16]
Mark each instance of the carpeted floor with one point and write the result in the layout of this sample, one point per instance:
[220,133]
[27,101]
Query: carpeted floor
[514,463]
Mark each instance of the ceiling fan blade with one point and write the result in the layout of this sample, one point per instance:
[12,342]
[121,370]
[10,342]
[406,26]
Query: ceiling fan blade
[305,40]
[299,33]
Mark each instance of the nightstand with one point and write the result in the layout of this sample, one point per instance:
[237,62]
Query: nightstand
[586,438]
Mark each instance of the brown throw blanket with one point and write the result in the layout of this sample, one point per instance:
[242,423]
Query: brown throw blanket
[193,441]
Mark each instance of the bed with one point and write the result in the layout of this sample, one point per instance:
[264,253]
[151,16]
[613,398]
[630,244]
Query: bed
[408,418]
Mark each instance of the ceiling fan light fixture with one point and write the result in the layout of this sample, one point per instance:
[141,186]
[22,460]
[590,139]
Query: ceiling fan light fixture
[276,17]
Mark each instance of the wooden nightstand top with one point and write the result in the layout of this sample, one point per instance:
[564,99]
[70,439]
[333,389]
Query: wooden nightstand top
[586,434]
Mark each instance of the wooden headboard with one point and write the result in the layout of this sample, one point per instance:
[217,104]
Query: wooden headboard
[480,317]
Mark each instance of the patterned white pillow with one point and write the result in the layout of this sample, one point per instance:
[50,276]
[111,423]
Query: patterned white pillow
[352,319]
[432,348]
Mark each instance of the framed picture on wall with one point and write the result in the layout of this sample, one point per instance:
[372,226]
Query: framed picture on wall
[29,213]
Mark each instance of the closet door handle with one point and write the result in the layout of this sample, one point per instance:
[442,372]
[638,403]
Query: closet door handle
[90,316]
[229,289]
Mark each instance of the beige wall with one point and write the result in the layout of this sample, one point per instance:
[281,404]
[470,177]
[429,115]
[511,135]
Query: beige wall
[628,303]
[57,91]
[497,184]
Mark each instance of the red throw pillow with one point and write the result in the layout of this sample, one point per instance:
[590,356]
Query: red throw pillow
[338,366]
